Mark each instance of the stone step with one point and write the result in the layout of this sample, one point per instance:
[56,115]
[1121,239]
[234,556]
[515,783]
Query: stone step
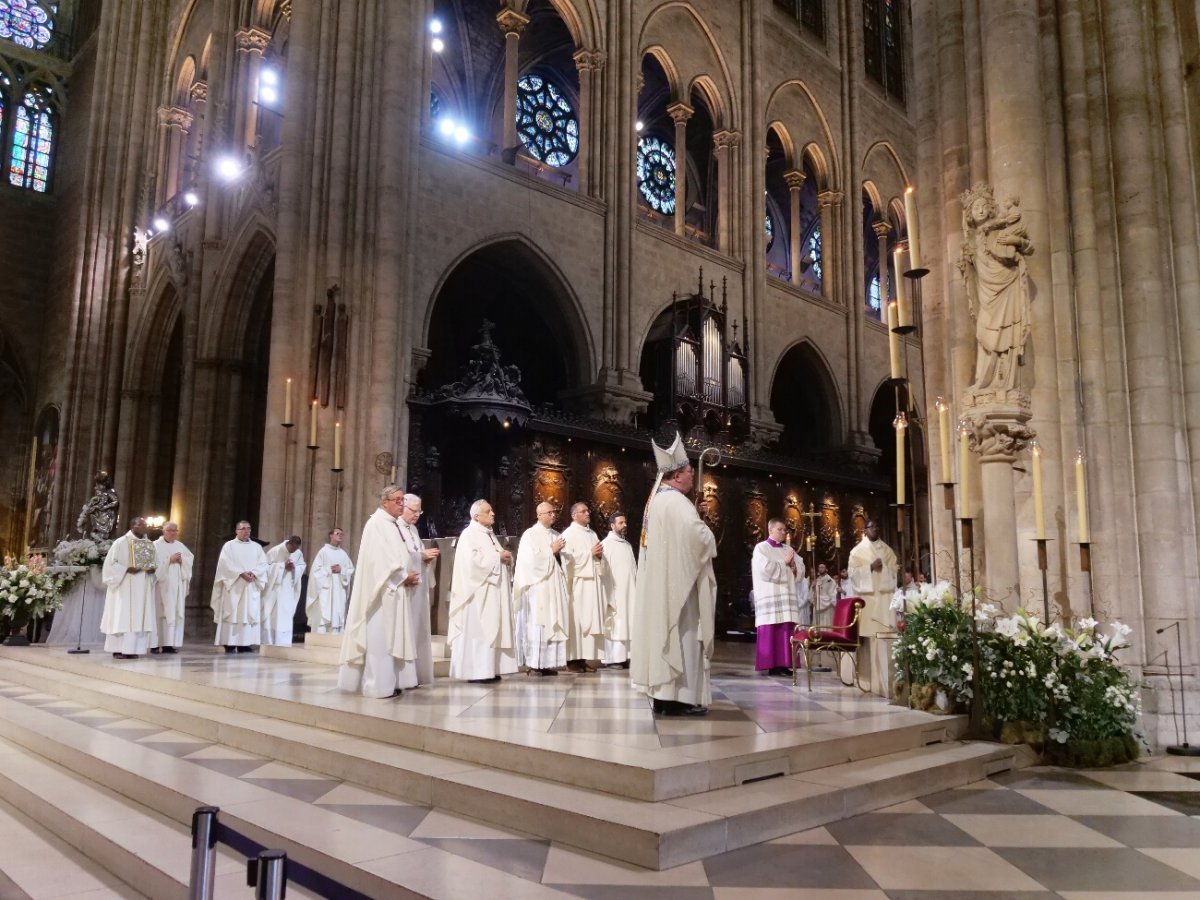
[325,649]
[654,835]
[138,821]
[657,775]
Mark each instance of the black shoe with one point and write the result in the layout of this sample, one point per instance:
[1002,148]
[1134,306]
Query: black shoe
[578,666]
[245,649]
[397,692]
[625,665]
[548,671]
[537,673]
[694,710]
[229,648]
[170,649]
[117,655]
[491,680]
[156,650]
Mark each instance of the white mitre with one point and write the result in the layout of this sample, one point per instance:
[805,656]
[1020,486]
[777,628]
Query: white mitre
[674,457]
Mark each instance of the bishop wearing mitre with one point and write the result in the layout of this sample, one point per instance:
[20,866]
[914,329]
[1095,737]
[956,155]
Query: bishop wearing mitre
[237,592]
[173,577]
[480,632]
[873,569]
[540,594]
[129,622]
[619,574]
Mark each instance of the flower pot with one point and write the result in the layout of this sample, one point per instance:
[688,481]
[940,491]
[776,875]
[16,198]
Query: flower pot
[1021,732]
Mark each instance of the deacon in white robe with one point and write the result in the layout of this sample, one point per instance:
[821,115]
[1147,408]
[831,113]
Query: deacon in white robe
[582,558]
[776,570]
[541,597]
[173,580]
[873,568]
[421,559]
[619,573]
[480,632]
[383,648]
[237,592]
[824,593]
[329,586]
[673,615]
[129,621]
[285,569]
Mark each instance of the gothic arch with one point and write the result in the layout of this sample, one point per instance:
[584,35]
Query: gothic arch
[804,398]
[882,166]
[816,160]
[687,19]
[785,140]
[793,102]
[660,55]
[558,301]
[152,332]
[236,288]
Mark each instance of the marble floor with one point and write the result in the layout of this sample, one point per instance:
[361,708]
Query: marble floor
[1132,832]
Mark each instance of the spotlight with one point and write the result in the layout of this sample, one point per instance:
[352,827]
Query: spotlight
[446,126]
[191,198]
[435,26]
[268,94]
[228,168]
[638,125]
[268,76]
[161,224]
[437,45]
[461,135]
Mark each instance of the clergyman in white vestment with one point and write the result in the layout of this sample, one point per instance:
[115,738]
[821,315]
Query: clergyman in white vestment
[129,622]
[421,559]
[285,569]
[237,592]
[775,570]
[873,568]
[673,615]
[481,633]
[619,573]
[824,595]
[173,579]
[582,558]
[540,595]
[329,586]
[382,646]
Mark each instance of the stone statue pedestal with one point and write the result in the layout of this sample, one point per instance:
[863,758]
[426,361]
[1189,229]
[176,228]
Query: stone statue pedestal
[85,597]
[1000,432]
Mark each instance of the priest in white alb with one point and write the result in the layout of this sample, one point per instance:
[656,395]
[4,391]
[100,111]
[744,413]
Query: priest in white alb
[824,594]
[582,557]
[380,655]
[329,586]
[421,559]
[540,596]
[481,632]
[237,592]
[173,578]
[873,569]
[673,615]
[285,569]
[776,570]
[619,575]
[129,621]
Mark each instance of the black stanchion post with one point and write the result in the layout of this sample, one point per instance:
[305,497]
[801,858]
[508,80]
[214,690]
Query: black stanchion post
[204,853]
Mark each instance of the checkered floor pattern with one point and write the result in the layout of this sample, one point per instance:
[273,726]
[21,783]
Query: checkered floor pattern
[1132,832]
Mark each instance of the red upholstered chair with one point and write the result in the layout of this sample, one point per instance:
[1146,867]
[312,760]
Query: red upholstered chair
[840,638]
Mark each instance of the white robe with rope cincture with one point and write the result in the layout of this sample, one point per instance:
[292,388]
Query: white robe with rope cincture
[673,615]
[237,603]
[776,594]
[129,621]
[540,595]
[480,632]
[172,582]
[328,590]
[282,594]
[417,597]
[877,618]
[380,645]
[618,569]
[585,631]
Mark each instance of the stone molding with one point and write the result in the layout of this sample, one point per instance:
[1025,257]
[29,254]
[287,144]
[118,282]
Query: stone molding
[252,40]
[589,60]
[511,22]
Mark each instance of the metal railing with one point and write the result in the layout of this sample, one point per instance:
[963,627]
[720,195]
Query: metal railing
[267,871]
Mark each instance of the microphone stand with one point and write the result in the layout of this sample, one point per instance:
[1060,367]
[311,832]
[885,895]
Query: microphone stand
[1184,749]
[79,648]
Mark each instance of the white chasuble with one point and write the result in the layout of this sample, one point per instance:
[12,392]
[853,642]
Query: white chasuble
[237,603]
[328,590]
[618,571]
[542,601]
[129,620]
[585,630]
[480,633]
[282,594]
[173,580]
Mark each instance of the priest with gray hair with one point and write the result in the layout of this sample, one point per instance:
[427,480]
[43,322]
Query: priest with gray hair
[481,633]
[676,594]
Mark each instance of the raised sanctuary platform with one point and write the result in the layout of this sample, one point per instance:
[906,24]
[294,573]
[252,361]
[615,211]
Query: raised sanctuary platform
[576,759]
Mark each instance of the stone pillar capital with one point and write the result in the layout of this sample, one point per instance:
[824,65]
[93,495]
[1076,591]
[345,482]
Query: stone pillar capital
[680,112]
[794,179]
[727,139]
[252,40]
[199,92]
[175,117]
[881,229]
[285,9]
[511,22]
[998,423]
[828,198]
[589,60]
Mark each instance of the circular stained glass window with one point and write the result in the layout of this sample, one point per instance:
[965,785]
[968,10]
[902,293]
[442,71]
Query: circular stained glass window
[656,174]
[27,22]
[546,122]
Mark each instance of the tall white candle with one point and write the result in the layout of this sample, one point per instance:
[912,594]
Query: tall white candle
[943,411]
[1085,536]
[893,342]
[964,473]
[287,403]
[910,216]
[901,425]
[904,316]
[1039,506]
[312,426]
[337,445]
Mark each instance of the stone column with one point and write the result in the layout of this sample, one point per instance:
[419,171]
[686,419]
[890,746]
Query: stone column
[176,123]
[726,143]
[827,206]
[589,63]
[251,43]
[680,113]
[795,182]
[512,23]
[882,230]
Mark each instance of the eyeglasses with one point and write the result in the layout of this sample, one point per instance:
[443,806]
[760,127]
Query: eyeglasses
[417,511]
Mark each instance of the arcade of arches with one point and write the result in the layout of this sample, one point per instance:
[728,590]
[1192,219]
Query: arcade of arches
[504,253]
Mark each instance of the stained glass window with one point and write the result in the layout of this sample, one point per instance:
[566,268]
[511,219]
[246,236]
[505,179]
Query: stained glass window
[883,54]
[873,296]
[811,13]
[770,231]
[656,174]
[33,142]
[27,22]
[546,122]
[814,250]
[435,105]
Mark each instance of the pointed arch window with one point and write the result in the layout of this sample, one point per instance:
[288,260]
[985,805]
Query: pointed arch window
[769,230]
[27,23]
[883,45]
[32,143]
[812,248]
[546,122]
[874,298]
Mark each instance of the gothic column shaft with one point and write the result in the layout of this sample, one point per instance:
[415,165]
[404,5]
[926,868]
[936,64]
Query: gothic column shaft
[512,23]
[589,64]
[680,113]
[724,143]
[795,182]
[827,205]
[882,230]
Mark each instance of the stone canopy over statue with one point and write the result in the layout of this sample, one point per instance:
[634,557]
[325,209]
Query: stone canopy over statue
[995,244]
[98,518]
